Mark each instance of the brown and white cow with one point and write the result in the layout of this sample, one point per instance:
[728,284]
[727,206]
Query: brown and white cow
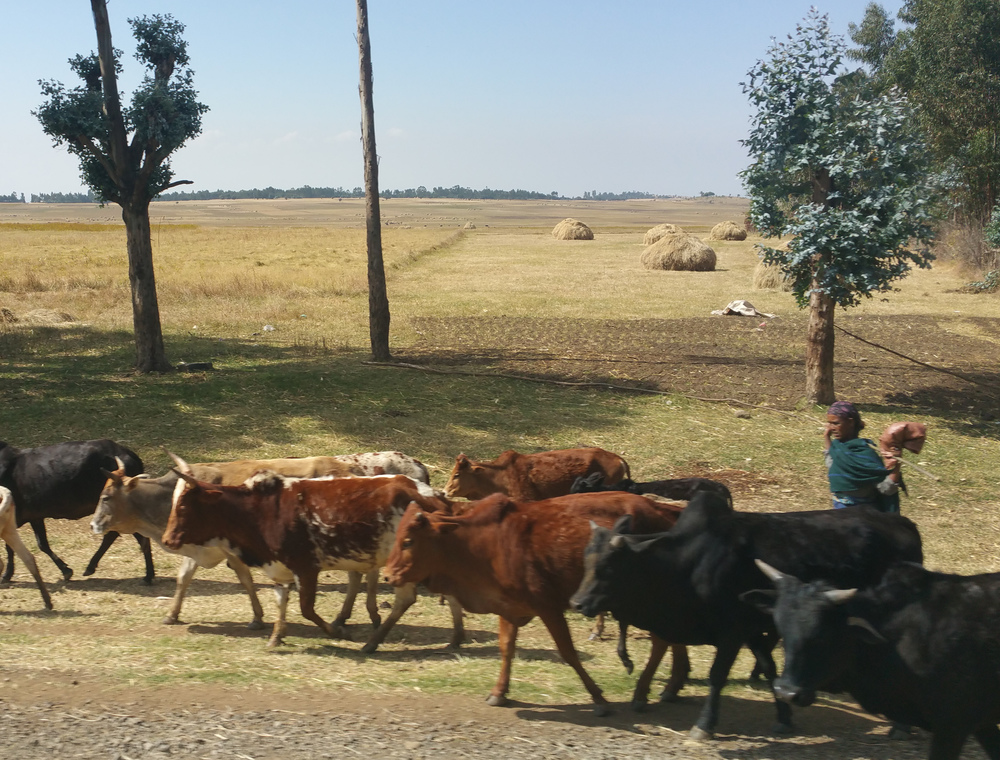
[294,528]
[530,477]
[386,463]
[520,560]
[8,532]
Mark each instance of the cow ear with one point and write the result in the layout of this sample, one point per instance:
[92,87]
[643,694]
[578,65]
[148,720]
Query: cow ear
[461,461]
[623,524]
[865,631]
[115,477]
[761,598]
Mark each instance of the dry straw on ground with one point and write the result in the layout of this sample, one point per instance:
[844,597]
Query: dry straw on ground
[769,277]
[572,229]
[655,233]
[679,253]
[727,231]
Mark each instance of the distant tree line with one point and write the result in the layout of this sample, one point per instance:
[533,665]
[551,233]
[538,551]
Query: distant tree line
[307,191]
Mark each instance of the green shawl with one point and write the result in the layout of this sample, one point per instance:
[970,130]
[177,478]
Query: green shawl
[854,465]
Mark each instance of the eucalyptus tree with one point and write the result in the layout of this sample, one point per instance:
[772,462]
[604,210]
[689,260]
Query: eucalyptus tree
[839,171]
[124,150]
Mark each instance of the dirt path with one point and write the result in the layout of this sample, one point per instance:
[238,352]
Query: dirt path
[67,717]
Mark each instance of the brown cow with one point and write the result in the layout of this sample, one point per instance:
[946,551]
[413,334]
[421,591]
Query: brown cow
[294,528]
[530,477]
[520,560]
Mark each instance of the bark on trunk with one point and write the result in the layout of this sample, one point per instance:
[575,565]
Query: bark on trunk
[150,355]
[819,350]
[378,300]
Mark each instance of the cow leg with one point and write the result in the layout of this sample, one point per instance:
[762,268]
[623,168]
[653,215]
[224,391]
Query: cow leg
[457,623]
[147,556]
[405,597]
[725,656]
[38,526]
[640,696]
[307,605]
[762,649]
[623,648]
[353,584]
[680,668]
[989,740]
[246,580]
[109,538]
[184,576]
[556,623]
[371,597]
[508,642]
[598,633]
[13,540]
[8,571]
[281,591]
[946,746]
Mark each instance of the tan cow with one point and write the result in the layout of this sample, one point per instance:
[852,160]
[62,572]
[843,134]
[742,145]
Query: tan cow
[531,477]
[8,532]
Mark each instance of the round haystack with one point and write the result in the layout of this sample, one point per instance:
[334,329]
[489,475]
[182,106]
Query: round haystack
[769,277]
[655,233]
[6,315]
[469,226]
[572,229]
[679,252]
[727,231]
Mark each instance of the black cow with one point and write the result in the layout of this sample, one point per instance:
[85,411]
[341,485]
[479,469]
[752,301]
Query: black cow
[921,648]
[64,481]
[676,488]
[685,585]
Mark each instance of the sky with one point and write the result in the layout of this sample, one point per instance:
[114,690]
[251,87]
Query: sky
[542,95]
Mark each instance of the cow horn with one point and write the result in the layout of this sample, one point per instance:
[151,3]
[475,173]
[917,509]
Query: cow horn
[182,466]
[184,476]
[116,476]
[840,595]
[617,541]
[773,573]
[865,626]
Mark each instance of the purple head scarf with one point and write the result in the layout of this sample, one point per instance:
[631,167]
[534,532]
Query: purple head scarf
[848,410]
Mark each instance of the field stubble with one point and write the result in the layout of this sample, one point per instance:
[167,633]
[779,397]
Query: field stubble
[504,298]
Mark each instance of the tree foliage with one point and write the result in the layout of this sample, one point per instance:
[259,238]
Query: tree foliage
[946,59]
[163,114]
[843,174]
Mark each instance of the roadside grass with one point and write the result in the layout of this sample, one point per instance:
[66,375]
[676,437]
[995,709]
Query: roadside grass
[305,389]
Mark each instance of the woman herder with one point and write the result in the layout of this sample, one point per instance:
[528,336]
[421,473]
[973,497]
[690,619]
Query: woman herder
[858,475]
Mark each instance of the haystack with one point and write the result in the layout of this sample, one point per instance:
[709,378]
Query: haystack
[46,317]
[6,315]
[727,231]
[655,233]
[770,277]
[679,252]
[572,229]
[469,226]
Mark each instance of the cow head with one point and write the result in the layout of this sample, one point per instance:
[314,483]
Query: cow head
[417,546]
[462,479]
[609,566]
[113,506]
[815,622]
[192,501]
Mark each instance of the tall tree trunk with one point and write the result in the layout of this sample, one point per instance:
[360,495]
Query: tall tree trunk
[819,350]
[378,300]
[150,355]
[820,337]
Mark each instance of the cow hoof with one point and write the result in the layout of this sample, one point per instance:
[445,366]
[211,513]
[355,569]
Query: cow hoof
[274,643]
[89,571]
[496,700]
[669,696]
[369,648]
[639,705]
[700,734]
[602,710]
[782,729]
[168,620]
[900,732]
[255,625]
[148,581]
[67,573]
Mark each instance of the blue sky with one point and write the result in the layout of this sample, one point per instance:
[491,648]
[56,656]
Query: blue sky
[533,94]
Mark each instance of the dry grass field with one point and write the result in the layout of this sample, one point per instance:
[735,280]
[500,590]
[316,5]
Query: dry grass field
[481,307]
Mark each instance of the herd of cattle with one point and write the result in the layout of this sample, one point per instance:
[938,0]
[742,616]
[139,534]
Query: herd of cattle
[535,535]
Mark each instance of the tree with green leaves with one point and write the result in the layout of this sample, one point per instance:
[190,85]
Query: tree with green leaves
[124,150]
[843,175]
[946,59]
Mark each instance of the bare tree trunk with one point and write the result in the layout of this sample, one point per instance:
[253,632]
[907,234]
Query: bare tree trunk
[819,350]
[150,355]
[820,336]
[378,300]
